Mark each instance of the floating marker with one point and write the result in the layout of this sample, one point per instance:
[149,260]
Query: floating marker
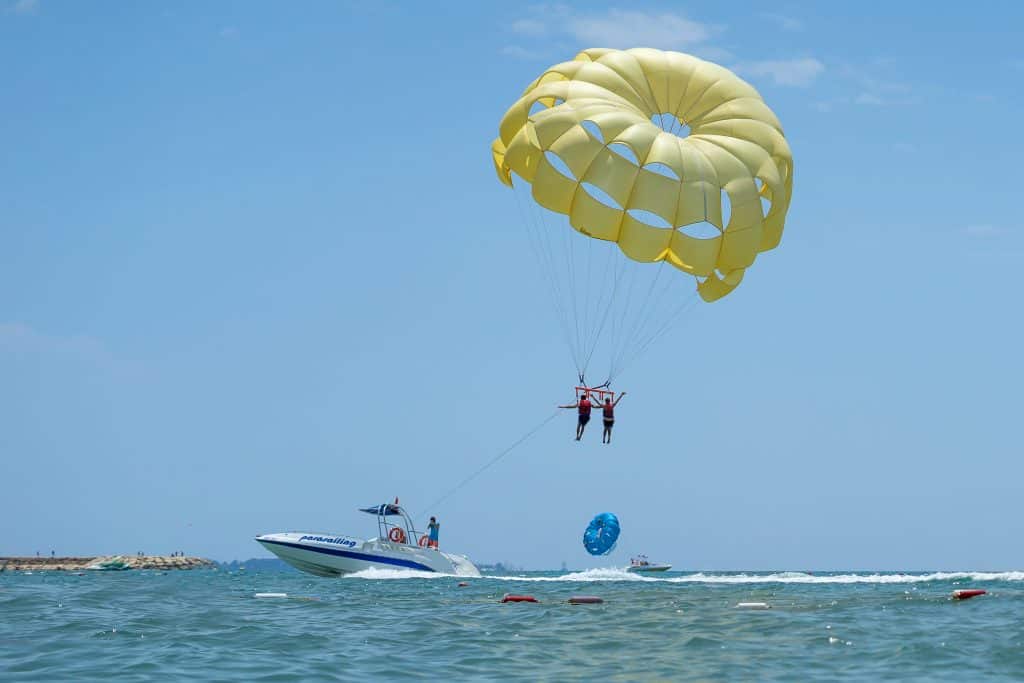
[271,595]
[462,584]
[585,600]
[518,598]
[968,593]
[753,605]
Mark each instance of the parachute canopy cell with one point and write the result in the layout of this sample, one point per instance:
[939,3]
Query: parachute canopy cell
[602,534]
[584,136]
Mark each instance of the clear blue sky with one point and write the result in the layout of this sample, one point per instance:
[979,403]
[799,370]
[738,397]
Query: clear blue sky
[256,271]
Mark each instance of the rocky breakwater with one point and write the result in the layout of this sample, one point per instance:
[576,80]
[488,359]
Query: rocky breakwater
[106,562]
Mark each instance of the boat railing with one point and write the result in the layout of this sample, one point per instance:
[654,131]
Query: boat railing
[404,524]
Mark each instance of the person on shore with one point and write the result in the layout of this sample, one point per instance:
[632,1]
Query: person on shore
[608,413]
[433,530]
[583,406]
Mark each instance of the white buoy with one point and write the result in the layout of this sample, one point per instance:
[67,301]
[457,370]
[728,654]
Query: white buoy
[271,595]
[753,605]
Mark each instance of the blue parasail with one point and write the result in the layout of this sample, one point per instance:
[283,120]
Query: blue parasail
[601,535]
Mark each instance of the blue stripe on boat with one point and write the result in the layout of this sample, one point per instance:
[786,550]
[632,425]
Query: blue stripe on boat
[355,556]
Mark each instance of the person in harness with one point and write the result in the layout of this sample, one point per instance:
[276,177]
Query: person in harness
[608,413]
[583,405]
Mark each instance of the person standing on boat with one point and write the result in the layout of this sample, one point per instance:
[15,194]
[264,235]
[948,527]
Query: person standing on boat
[432,530]
[608,411]
[583,405]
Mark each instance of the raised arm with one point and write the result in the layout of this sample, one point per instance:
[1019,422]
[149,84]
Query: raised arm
[618,399]
[574,405]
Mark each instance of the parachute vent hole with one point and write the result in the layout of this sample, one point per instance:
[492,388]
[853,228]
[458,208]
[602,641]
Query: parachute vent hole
[651,219]
[662,169]
[765,193]
[594,130]
[559,165]
[624,151]
[726,209]
[670,123]
[544,103]
[783,169]
[601,196]
[702,230]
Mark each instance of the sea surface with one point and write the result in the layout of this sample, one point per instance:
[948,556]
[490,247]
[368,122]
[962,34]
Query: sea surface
[397,625]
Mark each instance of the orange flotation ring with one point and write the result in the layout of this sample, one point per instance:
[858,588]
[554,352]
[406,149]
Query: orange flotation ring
[424,541]
[396,535]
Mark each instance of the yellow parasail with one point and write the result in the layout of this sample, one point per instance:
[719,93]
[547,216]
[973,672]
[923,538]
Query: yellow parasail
[604,100]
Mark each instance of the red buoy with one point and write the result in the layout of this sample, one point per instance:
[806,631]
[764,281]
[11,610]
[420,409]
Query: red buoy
[968,593]
[518,598]
[585,600]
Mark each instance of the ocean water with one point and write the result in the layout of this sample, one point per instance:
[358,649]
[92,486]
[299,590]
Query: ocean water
[396,625]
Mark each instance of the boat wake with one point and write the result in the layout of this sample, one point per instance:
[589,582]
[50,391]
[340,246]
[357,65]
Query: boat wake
[609,574]
[386,574]
[600,574]
[616,574]
[801,577]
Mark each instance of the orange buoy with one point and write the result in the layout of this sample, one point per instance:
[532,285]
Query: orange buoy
[518,598]
[968,593]
[585,600]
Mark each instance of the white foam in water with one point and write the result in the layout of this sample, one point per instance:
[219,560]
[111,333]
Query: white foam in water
[617,574]
[373,573]
[799,577]
[604,574]
[600,574]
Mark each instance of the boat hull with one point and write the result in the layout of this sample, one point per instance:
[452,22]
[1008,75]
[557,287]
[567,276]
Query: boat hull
[652,568]
[331,555]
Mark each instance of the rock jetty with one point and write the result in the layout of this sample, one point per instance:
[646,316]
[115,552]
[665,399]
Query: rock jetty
[108,562]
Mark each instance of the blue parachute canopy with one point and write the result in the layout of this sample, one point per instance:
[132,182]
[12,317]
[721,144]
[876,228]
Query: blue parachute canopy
[601,534]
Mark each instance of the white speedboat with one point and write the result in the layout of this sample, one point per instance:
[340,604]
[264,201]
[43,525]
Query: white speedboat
[398,546]
[640,564]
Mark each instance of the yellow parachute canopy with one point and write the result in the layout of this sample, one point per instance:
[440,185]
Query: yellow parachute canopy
[606,98]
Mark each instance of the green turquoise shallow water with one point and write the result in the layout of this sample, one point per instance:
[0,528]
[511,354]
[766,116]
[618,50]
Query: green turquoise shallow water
[208,625]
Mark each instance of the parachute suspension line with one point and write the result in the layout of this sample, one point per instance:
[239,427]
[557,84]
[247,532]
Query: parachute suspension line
[554,273]
[583,298]
[619,324]
[608,308]
[572,282]
[493,460]
[641,317]
[586,299]
[669,324]
[567,258]
[541,247]
[649,319]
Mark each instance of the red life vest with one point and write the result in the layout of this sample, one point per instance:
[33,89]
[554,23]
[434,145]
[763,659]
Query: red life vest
[609,411]
[584,406]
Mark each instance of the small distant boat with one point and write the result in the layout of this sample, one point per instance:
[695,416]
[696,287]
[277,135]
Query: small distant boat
[640,564]
[114,565]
